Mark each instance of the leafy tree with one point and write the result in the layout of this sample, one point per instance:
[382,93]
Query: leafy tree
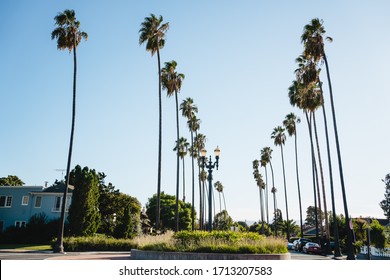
[124,224]
[311,215]
[378,238]
[145,222]
[222,221]
[153,32]
[84,217]
[68,37]
[167,219]
[113,206]
[385,203]
[11,180]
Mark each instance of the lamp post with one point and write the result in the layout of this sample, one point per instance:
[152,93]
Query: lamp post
[210,166]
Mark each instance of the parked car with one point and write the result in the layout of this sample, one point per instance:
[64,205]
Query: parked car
[295,245]
[289,245]
[300,243]
[311,248]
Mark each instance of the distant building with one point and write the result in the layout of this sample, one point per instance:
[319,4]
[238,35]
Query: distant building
[19,203]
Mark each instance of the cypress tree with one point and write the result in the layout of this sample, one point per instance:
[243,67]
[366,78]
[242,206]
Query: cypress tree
[84,217]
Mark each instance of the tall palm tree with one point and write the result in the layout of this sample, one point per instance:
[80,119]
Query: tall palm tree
[313,40]
[199,144]
[279,140]
[260,183]
[219,187]
[182,147]
[68,37]
[263,163]
[152,32]
[171,82]
[266,157]
[304,93]
[290,123]
[188,110]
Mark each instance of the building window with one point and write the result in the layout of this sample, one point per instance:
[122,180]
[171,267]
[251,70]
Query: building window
[20,224]
[57,204]
[38,201]
[5,201]
[25,200]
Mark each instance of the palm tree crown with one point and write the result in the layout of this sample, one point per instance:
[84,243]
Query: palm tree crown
[67,33]
[278,136]
[153,32]
[171,80]
[290,123]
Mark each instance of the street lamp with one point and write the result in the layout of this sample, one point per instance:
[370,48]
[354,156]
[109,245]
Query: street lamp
[210,166]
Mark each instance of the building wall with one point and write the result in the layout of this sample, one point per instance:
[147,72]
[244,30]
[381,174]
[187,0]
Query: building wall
[20,212]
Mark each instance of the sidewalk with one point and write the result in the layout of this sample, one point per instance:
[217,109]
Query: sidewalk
[49,255]
[92,256]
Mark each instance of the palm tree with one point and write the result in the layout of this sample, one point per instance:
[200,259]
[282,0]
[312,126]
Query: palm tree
[68,37]
[290,123]
[182,147]
[171,82]
[304,93]
[279,140]
[260,183]
[219,187]
[152,32]
[265,158]
[199,144]
[313,41]
[188,110]
[277,212]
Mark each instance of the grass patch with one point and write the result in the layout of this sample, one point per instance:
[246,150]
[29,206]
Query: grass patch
[29,247]
[215,242]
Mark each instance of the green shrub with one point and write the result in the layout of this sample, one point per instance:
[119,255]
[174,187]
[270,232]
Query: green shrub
[97,243]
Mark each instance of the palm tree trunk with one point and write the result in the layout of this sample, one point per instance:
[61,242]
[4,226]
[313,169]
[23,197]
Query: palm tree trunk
[220,203]
[285,194]
[261,209]
[200,189]
[184,176]
[159,142]
[322,178]
[313,173]
[274,194]
[351,254]
[193,183]
[337,252]
[177,166]
[266,194]
[60,238]
[299,189]
[224,201]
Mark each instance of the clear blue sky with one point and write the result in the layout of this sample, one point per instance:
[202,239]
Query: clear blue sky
[238,58]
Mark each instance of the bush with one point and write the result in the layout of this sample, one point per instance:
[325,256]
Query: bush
[219,242]
[97,243]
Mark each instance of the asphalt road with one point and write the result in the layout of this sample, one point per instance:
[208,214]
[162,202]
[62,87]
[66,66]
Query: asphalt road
[48,255]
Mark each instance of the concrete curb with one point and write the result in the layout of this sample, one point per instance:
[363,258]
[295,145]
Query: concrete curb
[155,255]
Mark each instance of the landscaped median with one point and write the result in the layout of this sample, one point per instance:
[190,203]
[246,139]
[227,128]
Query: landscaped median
[188,245]
[217,245]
